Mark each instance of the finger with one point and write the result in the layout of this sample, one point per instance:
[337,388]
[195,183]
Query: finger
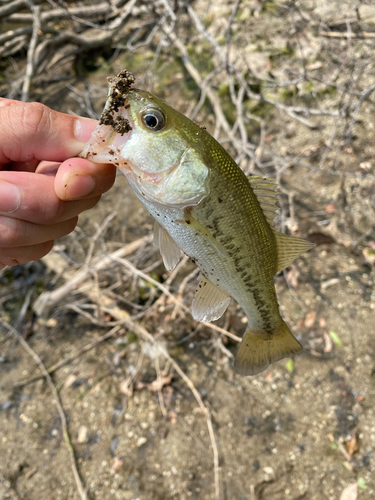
[15,232]
[33,131]
[21,255]
[78,178]
[31,197]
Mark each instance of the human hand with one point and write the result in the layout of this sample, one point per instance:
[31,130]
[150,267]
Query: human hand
[43,187]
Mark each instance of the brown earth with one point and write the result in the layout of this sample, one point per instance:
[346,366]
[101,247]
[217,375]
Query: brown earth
[304,428]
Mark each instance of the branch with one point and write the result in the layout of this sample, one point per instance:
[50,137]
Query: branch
[31,52]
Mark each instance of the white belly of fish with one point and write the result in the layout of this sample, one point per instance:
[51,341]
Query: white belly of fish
[211,302]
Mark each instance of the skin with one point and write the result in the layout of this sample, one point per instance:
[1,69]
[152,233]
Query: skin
[43,187]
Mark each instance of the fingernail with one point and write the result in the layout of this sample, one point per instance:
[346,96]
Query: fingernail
[78,186]
[83,128]
[10,199]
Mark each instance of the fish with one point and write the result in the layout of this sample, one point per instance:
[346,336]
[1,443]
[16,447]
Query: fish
[205,206]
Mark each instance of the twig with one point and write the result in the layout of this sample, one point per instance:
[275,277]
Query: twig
[70,358]
[5,10]
[81,490]
[221,120]
[110,306]
[47,299]
[340,34]
[222,331]
[25,306]
[26,30]
[161,287]
[205,412]
[101,229]
[31,52]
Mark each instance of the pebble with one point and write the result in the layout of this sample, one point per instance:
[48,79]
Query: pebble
[83,434]
[141,441]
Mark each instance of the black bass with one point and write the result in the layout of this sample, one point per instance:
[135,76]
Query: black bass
[204,205]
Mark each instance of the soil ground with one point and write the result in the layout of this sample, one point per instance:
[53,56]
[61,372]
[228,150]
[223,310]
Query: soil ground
[304,428]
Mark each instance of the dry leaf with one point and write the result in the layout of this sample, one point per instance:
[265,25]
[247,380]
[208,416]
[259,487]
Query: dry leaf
[116,465]
[300,323]
[350,492]
[30,473]
[330,208]
[172,416]
[320,239]
[310,319]
[328,343]
[322,323]
[352,445]
[69,381]
[369,255]
[269,377]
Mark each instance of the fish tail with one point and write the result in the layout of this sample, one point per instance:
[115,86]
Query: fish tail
[258,349]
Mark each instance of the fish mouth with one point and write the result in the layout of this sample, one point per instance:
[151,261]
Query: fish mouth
[149,185]
[173,187]
[151,178]
[108,139]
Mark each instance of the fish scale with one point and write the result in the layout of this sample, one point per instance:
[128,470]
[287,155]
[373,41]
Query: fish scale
[204,205]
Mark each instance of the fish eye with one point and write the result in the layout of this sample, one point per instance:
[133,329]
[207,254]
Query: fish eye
[154,119]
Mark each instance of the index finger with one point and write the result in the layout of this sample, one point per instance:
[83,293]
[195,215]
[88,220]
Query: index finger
[32,131]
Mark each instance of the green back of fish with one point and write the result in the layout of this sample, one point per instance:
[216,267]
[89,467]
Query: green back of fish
[237,221]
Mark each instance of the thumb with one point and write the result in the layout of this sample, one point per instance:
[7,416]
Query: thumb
[32,131]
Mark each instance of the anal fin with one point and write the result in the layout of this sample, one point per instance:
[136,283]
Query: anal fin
[170,251]
[209,302]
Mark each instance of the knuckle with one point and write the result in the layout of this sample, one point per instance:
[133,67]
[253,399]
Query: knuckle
[9,232]
[36,117]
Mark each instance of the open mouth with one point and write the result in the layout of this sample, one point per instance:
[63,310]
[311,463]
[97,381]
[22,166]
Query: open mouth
[149,177]
[108,139]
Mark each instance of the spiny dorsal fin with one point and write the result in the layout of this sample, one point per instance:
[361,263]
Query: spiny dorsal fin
[169,250]
[264,190]
[289,248]
[209,301]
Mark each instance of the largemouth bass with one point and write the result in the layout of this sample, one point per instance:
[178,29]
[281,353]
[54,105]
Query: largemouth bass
[204,205]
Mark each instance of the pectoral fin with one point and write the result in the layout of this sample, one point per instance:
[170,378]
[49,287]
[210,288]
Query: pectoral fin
[202,230]
[209,302]
[170,251]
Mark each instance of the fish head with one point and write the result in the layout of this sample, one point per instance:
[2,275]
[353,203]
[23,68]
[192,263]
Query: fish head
[154,146]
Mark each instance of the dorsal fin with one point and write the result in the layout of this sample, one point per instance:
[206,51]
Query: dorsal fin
[289,248]
[264,189]
[210,302]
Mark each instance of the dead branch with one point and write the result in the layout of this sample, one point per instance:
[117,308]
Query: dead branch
[70,358]
[6,10]
[30,66]
[46,300]
[340,34]
[109,306]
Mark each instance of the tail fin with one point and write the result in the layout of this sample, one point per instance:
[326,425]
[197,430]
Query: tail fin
[259,349]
